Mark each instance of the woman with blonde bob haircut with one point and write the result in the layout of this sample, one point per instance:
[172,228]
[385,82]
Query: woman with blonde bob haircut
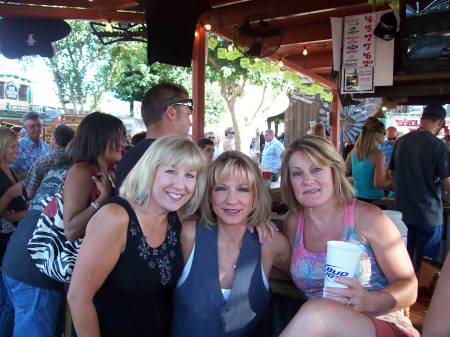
[131,255]
[174,151]
[239,166]
[323,210]
[223,290]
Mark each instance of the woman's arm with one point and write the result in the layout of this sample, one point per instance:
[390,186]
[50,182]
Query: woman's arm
[77,198]
[436,322]
[290,227]
[380,177]
[392,258]
[104,241]
[12,192]
[14,216]
[281,253]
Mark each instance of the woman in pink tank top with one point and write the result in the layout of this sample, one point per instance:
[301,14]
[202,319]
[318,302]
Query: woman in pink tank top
[322,208]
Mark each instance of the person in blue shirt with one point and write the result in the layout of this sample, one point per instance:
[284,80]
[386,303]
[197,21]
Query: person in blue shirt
[31,147]
[271,156]
[388,145]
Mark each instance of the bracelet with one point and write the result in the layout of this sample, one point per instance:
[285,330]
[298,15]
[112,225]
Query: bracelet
[94,205]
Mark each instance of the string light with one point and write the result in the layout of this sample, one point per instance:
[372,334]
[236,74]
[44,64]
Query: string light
[108,26]
[305,51]
[230,47]
[280,64]
[207,27]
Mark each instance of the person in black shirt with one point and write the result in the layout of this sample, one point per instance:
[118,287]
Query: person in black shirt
[131,255]
[166,109]
[420,164]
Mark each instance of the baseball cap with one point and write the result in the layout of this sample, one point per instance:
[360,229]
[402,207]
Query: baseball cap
[387,26]
[434,110]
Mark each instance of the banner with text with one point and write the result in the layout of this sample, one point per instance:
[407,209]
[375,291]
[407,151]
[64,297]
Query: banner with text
[357,73]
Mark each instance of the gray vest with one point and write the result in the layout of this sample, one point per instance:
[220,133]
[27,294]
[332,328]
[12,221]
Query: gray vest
[199,307]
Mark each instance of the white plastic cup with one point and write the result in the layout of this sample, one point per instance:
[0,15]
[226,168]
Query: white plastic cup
[342,260]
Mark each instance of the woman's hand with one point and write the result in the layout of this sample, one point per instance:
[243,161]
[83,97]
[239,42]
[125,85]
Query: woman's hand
[355,296]
[15,190]
[266,232]
[104,186]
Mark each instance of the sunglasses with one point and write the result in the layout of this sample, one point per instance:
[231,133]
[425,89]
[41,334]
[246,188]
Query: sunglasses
[185,102]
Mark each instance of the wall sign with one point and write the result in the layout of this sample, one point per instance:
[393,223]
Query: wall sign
[11,91]
[358,54]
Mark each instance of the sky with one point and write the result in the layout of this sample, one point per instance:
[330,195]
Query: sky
[43,88]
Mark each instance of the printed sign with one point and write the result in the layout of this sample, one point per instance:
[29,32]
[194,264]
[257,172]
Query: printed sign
[357,72]
[11,91]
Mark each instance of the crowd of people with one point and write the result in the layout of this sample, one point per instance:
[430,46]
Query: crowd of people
[177,240]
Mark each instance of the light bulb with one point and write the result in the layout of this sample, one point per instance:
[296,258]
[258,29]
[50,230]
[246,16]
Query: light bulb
[207,27]
[230,47]
[280,63]
[305,51]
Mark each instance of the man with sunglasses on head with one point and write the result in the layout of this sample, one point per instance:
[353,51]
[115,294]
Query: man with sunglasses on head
[166,109]
[388,145]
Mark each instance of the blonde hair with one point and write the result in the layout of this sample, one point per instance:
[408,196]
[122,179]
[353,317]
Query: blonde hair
[367,142]
[322,153]
[237,165]
[169,150]
[7,136]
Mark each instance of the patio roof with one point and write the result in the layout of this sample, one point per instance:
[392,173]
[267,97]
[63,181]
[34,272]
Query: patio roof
[304,24]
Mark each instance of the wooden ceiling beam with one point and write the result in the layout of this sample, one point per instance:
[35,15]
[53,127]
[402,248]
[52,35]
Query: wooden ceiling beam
[312,60]
[311,33]
[222,3]
[233,14]
[104,4]
[310,74]
[321,70]
[70,13]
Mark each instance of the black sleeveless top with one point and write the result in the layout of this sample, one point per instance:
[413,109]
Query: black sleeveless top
[136,298]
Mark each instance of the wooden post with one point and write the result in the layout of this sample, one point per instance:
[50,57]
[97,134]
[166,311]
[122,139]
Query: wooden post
[198,83]
[335,121]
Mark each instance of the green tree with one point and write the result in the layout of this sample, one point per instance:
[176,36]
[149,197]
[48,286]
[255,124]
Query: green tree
[135,76]
[83,68]
[237,74]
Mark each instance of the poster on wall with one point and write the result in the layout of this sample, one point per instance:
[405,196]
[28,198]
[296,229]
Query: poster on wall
[357,73]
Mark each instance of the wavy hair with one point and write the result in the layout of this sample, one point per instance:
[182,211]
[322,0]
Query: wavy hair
[322,153]
[7,136]
[367,142]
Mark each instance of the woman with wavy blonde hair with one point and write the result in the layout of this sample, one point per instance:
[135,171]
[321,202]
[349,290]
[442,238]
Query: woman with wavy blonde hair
[322,208]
